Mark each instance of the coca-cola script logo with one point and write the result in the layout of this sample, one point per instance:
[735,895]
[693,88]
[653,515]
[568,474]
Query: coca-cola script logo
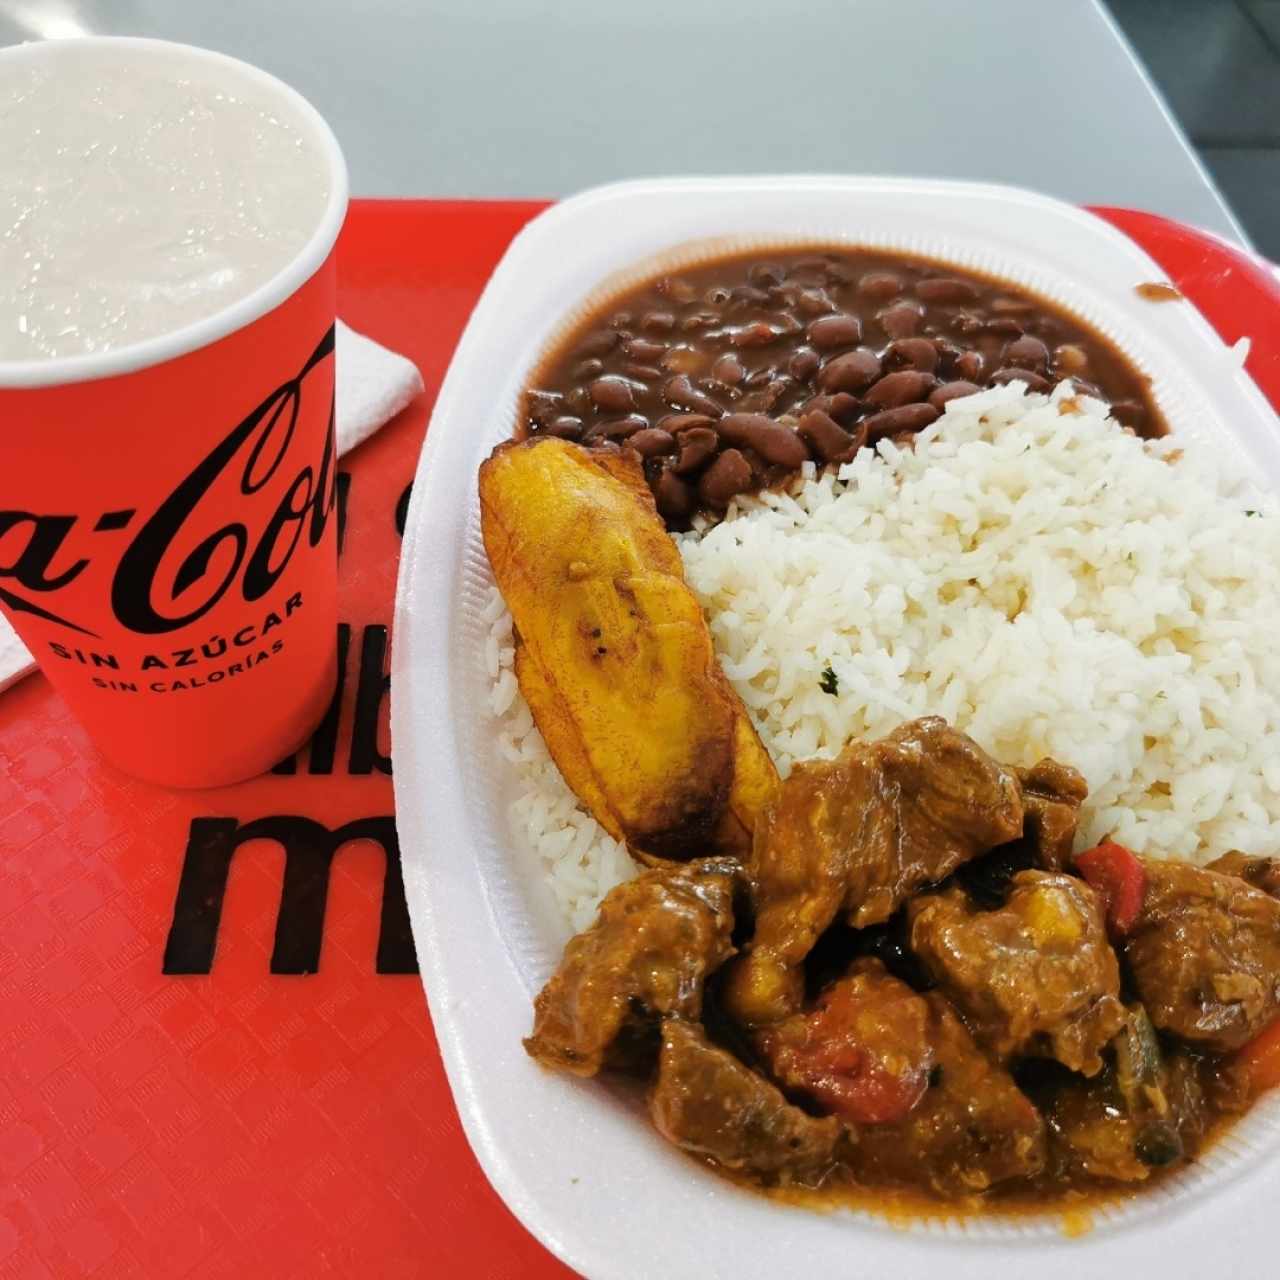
[162,584]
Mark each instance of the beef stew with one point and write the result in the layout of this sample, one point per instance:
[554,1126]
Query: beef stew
[1004,1029]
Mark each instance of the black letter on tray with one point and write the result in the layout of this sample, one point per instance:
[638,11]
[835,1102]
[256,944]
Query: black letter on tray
[309,849]
[324,742]
[343,498]
[371,695]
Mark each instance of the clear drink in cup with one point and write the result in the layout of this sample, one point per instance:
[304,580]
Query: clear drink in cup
[167,467]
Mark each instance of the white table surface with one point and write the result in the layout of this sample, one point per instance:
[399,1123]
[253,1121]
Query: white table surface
[543,97]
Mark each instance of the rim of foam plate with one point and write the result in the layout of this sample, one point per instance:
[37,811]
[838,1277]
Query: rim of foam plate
[1177,400]
[134,356]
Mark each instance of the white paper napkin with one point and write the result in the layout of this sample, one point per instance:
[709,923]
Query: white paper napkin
[15,661]
[373,385]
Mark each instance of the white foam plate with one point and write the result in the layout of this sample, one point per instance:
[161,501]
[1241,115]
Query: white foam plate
[577,1164]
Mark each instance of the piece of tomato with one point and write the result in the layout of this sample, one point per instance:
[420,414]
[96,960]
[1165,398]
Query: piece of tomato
[1116,874]
[1260,1059]
[864,1053]
[871,1095]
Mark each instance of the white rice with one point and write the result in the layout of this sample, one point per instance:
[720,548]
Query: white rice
[1049,583]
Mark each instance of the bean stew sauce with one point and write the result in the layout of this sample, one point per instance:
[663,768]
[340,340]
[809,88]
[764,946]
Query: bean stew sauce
[729,375]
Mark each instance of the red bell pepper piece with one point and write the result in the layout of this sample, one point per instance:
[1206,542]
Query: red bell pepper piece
[1260,1059]
[1117,875]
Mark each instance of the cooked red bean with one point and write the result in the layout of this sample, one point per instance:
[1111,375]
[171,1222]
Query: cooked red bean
[696,446]
[566,427]
[617,428]
[901,321]
[881,285]
[969,365]
[645,349]
[1027,353]
[851,371]
[764,274]
[678,422]
[729,369]
[803,364]
[1131,412]
[658,322]
[903,387]
[940,396]
[747,295]
[907,417]
[728,476]
[814,302]
[827,333]
[1003,327]
[1069,360]
[542,406]
[948,290]
[673,496]
[842,406]
[613,395]
[914,353]
[599,343]
[773,441]
[827,438]
[652,442]
[681,392]
[699,320]
[1033,380]
[643,372]
[948,354]
[758,334]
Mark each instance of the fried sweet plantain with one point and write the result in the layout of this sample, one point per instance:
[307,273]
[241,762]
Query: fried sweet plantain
[755,783]
[613,654]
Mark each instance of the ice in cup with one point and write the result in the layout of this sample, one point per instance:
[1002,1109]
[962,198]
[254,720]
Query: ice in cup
[168,545]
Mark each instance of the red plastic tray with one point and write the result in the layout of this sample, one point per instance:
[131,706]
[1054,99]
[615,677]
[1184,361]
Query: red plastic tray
[245,1122]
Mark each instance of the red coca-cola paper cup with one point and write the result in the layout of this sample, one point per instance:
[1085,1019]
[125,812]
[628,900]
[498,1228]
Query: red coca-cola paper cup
[168,533]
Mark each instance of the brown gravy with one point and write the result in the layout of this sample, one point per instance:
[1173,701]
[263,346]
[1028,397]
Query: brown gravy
[1073,1201]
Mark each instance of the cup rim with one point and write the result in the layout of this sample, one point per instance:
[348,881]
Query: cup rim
[62,370]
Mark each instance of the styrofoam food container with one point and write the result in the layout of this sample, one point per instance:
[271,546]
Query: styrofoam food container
[579,1165]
